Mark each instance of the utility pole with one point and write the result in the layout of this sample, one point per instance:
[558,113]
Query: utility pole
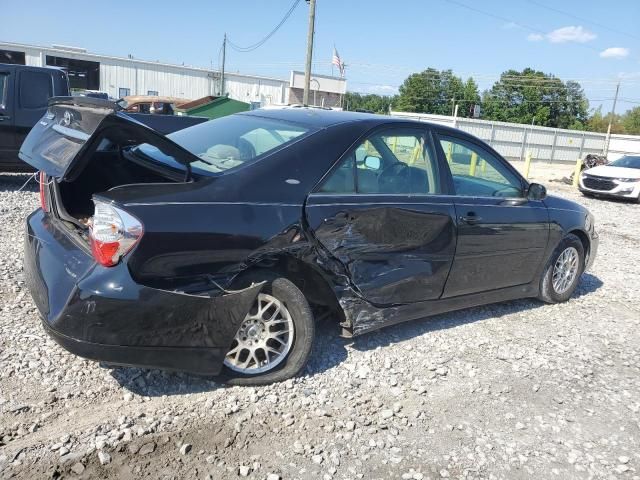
[307,70]
[613,112]
[224,53]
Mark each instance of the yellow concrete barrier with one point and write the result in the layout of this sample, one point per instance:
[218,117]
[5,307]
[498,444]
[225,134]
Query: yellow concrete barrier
[576,172]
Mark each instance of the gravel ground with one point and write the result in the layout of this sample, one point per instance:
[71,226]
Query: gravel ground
[514,390]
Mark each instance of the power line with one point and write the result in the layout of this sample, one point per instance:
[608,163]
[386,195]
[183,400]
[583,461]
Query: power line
[269,35]
[582,19]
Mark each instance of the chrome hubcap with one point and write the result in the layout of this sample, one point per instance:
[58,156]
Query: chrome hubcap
[264,338]
[565,270]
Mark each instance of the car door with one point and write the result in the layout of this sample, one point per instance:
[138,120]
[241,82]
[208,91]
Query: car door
[381,211]
[8,142]
[502,235]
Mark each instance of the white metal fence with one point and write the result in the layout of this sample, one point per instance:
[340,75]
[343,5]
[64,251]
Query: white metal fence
[514,140]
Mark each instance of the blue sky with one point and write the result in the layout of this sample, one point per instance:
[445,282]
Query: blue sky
[381,42]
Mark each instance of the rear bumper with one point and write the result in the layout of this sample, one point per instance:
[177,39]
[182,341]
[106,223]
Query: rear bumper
[103,314]
[203,361]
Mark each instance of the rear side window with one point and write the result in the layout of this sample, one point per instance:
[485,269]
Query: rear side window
[396,161]
[35,89]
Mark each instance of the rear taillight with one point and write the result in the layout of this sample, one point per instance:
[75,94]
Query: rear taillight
[113,233]
[42,181]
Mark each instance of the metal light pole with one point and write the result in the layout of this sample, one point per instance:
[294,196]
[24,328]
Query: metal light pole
[307,70]
[613,112]
[224,53]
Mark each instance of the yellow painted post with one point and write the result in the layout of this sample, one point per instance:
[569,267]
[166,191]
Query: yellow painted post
[483,166]
[450,153]
[527,165]
[576,172]
[394,145]
[473,164]
[414,154]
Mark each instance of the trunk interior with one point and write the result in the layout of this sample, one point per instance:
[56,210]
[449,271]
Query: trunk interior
[105,170]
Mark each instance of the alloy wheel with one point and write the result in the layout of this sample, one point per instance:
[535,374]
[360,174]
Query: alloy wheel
[565,270]
[264,338]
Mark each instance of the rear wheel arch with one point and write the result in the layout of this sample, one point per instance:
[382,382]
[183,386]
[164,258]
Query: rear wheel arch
[312,283]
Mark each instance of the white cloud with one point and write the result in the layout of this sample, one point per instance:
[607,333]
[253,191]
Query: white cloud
[615,52]
[570,34]
[565,34]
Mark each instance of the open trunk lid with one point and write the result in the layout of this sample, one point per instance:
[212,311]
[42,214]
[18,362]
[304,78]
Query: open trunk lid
[72,126]
[56,141]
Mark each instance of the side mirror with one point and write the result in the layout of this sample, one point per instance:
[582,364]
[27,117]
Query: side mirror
[536,191]
[371,162]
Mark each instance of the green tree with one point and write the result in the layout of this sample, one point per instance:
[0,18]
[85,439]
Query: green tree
[631,121]
[370,102]
[522,96]
[434,91]
[470,98]
[600,123]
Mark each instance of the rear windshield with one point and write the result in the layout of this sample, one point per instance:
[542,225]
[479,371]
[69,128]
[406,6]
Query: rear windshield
[229,142]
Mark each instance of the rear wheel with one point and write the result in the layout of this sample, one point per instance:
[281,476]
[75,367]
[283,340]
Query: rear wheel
[562,273]
[274,341]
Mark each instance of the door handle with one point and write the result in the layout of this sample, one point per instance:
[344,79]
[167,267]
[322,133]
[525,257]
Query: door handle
[470,219]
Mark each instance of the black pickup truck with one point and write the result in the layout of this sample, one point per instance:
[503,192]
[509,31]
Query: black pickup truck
[24,97]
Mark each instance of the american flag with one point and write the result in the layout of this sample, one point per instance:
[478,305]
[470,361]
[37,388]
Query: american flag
[337,61]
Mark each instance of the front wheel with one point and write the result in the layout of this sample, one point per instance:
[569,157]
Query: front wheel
[562,273]
[274,341]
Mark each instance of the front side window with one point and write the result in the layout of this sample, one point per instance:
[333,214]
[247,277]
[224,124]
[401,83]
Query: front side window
[392,161]
[477,173]
[228,142]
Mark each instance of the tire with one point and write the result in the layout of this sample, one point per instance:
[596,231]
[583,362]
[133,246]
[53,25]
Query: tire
[291,364]
[548,292]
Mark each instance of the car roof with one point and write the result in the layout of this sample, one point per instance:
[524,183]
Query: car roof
[18,66]
[322,118]
[319,117]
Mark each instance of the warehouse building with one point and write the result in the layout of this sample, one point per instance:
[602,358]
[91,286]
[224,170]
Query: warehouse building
[120,77]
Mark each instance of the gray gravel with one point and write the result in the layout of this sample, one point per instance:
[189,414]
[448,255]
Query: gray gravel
[515,390]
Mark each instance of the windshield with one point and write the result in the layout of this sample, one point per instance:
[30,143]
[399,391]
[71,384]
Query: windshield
[228,142]
[627,162]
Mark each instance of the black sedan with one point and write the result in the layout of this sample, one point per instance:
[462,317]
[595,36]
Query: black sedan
[211,250]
